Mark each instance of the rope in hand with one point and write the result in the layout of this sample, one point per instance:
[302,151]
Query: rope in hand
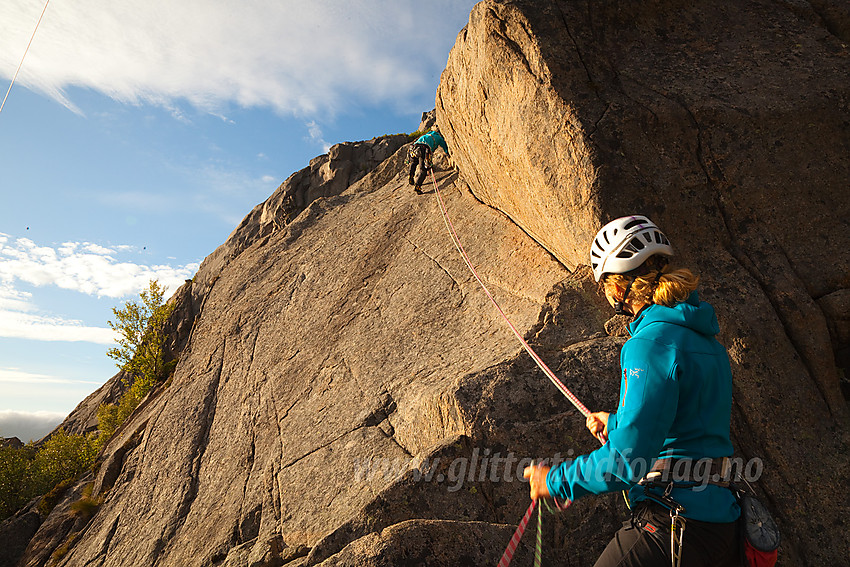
[24,55]
[509,552]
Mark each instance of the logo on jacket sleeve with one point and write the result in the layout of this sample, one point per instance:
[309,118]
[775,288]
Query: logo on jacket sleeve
[633,374]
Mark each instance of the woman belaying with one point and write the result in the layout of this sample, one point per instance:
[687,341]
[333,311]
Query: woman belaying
[668,441]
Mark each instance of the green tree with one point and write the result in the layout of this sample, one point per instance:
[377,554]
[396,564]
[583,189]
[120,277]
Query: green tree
[27,472]
[61,457]
[140,326]
[14,463]
[139,353]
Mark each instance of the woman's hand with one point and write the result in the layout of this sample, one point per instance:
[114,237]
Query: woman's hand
[597,423]
[536,475]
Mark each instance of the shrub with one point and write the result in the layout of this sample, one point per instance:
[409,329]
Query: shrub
[139,354]
[14,463]
[48,471]
[140,327]
[51,499]
[62,456]
[86,507]
[27,472]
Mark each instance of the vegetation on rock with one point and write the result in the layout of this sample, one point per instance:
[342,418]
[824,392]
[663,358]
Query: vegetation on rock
[28,472]
[139,354]
[49,469]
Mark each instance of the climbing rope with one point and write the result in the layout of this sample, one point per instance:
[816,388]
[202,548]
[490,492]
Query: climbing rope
[507,556]
[546,370]
[538,544]
[24,55]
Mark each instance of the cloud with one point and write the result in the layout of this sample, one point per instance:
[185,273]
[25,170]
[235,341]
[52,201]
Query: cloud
[19,319]
[83,267]
[17,375]
[79,266]
[28,426]
[305,58]
[20,325]
[315,135]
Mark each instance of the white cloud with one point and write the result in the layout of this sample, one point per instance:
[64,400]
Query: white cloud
[22,325]
[79,266]
[20,319]
[306,58]
[28,426]
[19,376]
[14,300]
[315,135]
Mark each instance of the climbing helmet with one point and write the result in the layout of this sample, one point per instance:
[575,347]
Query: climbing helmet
[624,244]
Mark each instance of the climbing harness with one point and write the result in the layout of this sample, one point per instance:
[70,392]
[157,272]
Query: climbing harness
[677,521]
[539,361]
[24,55]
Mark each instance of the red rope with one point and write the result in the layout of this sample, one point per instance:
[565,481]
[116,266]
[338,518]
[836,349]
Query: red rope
[508,555]
[512,545]
[549,374]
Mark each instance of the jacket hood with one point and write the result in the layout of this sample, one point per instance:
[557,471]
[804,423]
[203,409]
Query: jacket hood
[692,313]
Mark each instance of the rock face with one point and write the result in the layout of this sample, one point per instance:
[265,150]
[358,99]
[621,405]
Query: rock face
[345,393]
[726,123]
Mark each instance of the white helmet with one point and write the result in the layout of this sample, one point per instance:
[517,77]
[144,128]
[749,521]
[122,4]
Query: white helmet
[624,244]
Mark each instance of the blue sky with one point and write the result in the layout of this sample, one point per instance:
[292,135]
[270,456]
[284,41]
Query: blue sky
[139,133]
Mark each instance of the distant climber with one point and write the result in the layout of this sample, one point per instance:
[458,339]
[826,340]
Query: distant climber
[420,155]
[667,443]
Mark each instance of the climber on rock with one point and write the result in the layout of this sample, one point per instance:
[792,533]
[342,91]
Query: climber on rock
[420,155]
[673,414]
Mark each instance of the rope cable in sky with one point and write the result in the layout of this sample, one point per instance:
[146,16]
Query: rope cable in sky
[18,70]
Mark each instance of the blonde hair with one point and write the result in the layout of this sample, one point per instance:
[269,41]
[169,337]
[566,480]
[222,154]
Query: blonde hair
[671,287]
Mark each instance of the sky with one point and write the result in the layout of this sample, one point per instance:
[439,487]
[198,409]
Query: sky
[139,133]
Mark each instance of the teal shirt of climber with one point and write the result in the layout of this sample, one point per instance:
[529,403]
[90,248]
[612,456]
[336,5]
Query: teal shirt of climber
[675,402]
[433,140]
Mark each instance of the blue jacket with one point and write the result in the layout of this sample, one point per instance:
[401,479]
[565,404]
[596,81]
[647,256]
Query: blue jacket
[675,401]
[433,140]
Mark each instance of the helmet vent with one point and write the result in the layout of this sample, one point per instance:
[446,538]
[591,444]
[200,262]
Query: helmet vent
[632,223]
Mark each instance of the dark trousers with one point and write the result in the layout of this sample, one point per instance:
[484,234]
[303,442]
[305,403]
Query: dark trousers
[644,541]
[419,158]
